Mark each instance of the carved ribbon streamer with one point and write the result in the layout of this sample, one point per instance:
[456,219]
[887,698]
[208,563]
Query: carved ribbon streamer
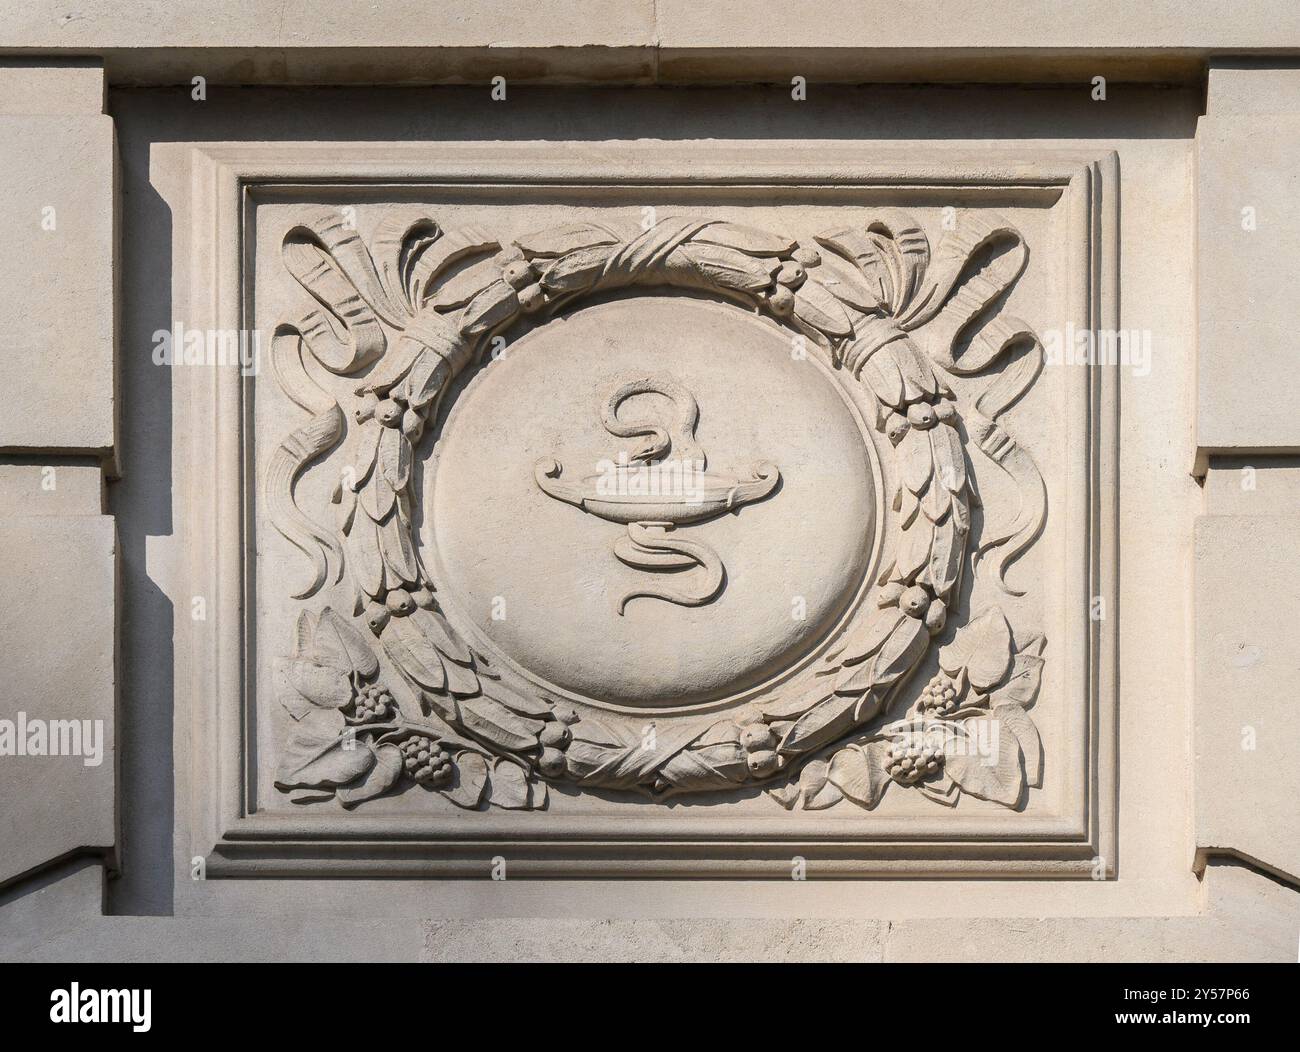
[295,452]
[995,443]
[329,260]
[946,307]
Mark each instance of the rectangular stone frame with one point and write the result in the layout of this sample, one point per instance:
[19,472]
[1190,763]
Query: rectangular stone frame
[213,720]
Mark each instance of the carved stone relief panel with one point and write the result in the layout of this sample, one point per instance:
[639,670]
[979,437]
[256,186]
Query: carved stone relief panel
[630,525]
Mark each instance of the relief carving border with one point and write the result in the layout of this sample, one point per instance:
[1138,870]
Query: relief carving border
[1065,845]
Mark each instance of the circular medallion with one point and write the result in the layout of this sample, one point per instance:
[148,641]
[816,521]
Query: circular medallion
[652,503]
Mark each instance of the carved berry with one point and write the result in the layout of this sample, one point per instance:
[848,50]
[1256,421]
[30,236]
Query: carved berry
[551,763]
[914,602]
[423,598]
[519,273]
[762,763]
[413,424]
[791,274]
[891,593]
[809,257]
[389,412]
[945,411]
[757,737]
[936,617]
[555,735]
[921,416]
[939,697]
[376,617]
[399,602]
[424,762]
[532,299]
[781,301]
[896,427]
[373,702]
[366,408]
[911,758]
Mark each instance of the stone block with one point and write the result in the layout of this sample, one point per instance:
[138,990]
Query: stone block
[1245,734]
[58,608]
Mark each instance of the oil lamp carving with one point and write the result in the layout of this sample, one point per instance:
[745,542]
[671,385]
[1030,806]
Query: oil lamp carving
[661,485]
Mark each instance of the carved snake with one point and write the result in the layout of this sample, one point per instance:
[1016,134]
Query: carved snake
[648,546]
[687,416]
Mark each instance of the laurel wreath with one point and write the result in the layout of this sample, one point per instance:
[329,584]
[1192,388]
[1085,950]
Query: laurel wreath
[422,304]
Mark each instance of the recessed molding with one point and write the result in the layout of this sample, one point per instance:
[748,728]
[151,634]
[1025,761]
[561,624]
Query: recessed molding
[227,819]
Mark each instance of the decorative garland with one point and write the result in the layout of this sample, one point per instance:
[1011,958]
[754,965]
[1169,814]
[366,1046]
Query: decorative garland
[423,303]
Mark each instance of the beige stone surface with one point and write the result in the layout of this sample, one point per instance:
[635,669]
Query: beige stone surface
[643,41]
[57,257]
[1246,736]
[1247,158]
[58,611]
[1202,863]
[51,86]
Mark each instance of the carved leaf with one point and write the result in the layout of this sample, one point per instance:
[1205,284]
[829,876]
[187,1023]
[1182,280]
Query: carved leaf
[983,648]
[902,650]
[342,639]
[454,245]
[491,720]
[949,458]
[576,270]
[524,704]
[565,238]
[321,685]
[746,239]
[845,282]
[399,552]
[911,252]
[879,629]
[914,549]
[443,636]
[785,795]
[366,450]
[945,558]
[1018,722]
[730,269]
[395,457]
[814,306]
[791,706]
[461,681]
[415,655]
[459,289]
[495,304]
[820,725]
[378,780]
[310,760]
[596,733]
[377,497]
[972,762]
[304,631]
[1022,685]
[859,771]
[428,376]
[468,781]
[819,792]
[915,460]
[918,377]
[288,695]
[882,376]
[509,785]
[363,556]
